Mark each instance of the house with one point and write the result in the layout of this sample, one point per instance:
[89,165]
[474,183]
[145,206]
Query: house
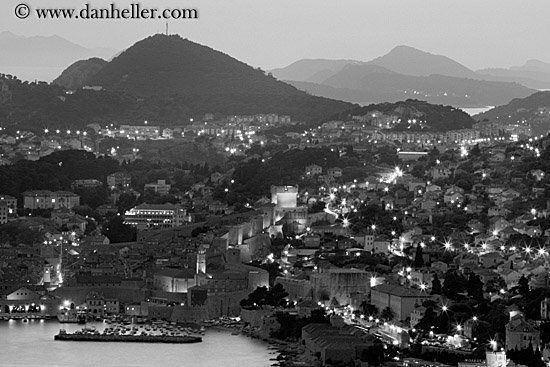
[416,315]
[486,276]
[491,260]
[521,334]
[510,276]
[119,179]
[313,170]
[439,172]
[160,187]
[497,212]
[334,172]
[538,174]
[479,187]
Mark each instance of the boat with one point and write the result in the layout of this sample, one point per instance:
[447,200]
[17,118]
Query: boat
[65,315]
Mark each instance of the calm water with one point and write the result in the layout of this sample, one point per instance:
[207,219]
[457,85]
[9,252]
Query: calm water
[46,74]
[474,111]
[31,344]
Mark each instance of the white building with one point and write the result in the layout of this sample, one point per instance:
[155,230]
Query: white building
[156,216]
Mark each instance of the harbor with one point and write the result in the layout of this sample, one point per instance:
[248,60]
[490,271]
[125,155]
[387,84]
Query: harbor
[218,347]
[154,332]
[98,337]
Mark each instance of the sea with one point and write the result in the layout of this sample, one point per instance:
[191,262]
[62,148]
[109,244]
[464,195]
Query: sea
[32,344]
[476,110]
[31,74]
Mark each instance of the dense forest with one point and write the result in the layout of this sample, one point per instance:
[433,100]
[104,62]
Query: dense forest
[436,117]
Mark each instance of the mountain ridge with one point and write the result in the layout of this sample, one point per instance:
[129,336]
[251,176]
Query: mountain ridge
[404,72]
[44,51]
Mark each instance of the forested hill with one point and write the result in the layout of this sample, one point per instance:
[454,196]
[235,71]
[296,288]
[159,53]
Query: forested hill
[35,106]
[163,79]
[178,72]
[535,106]
[428,117]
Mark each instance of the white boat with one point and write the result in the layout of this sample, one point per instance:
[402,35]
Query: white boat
[70,316]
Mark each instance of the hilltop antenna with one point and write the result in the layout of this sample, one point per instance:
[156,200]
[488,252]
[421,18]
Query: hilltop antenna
[167,28]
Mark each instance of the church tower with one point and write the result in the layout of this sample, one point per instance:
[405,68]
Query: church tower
[201,260]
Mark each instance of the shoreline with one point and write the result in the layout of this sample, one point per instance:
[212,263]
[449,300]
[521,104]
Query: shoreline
[288,352]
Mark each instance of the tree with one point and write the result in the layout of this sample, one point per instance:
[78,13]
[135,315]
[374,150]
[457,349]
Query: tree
[368,309]
[454,284]
[117,231]
[276,296]
[419,257]
[436,285]
[261,296]
[523,285]
[475,287]
[387,314]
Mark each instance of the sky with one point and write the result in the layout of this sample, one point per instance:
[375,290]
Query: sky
[274,33]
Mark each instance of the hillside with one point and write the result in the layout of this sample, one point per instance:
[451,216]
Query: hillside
[35,106]
[77,75]
[433,117]
[193,79]
[535,106]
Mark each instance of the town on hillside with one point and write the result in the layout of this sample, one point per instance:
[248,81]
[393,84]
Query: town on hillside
[351,242]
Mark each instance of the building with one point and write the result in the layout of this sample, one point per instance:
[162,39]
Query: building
[86,183]
[139,132]
[339,283]
[44,199]
[160,187]
[174,280]
[545,308]
[520,334]
[119,179]
[10,201]
[331,344]
[8,208]
[411,156]
[334,172]
[401,300]
[313,170]
[286,212]
[146,216]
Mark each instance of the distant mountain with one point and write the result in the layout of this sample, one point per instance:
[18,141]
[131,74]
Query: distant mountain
[430,117]
[188,75]
[531,108]
[76,75]
[312,70]
[411,61]
[42,51]
[365,84]
[403,73]
[534,74]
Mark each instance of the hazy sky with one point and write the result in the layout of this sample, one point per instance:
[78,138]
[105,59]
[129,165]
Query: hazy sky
[275,33]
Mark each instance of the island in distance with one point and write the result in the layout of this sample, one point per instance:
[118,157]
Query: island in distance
[404,72]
